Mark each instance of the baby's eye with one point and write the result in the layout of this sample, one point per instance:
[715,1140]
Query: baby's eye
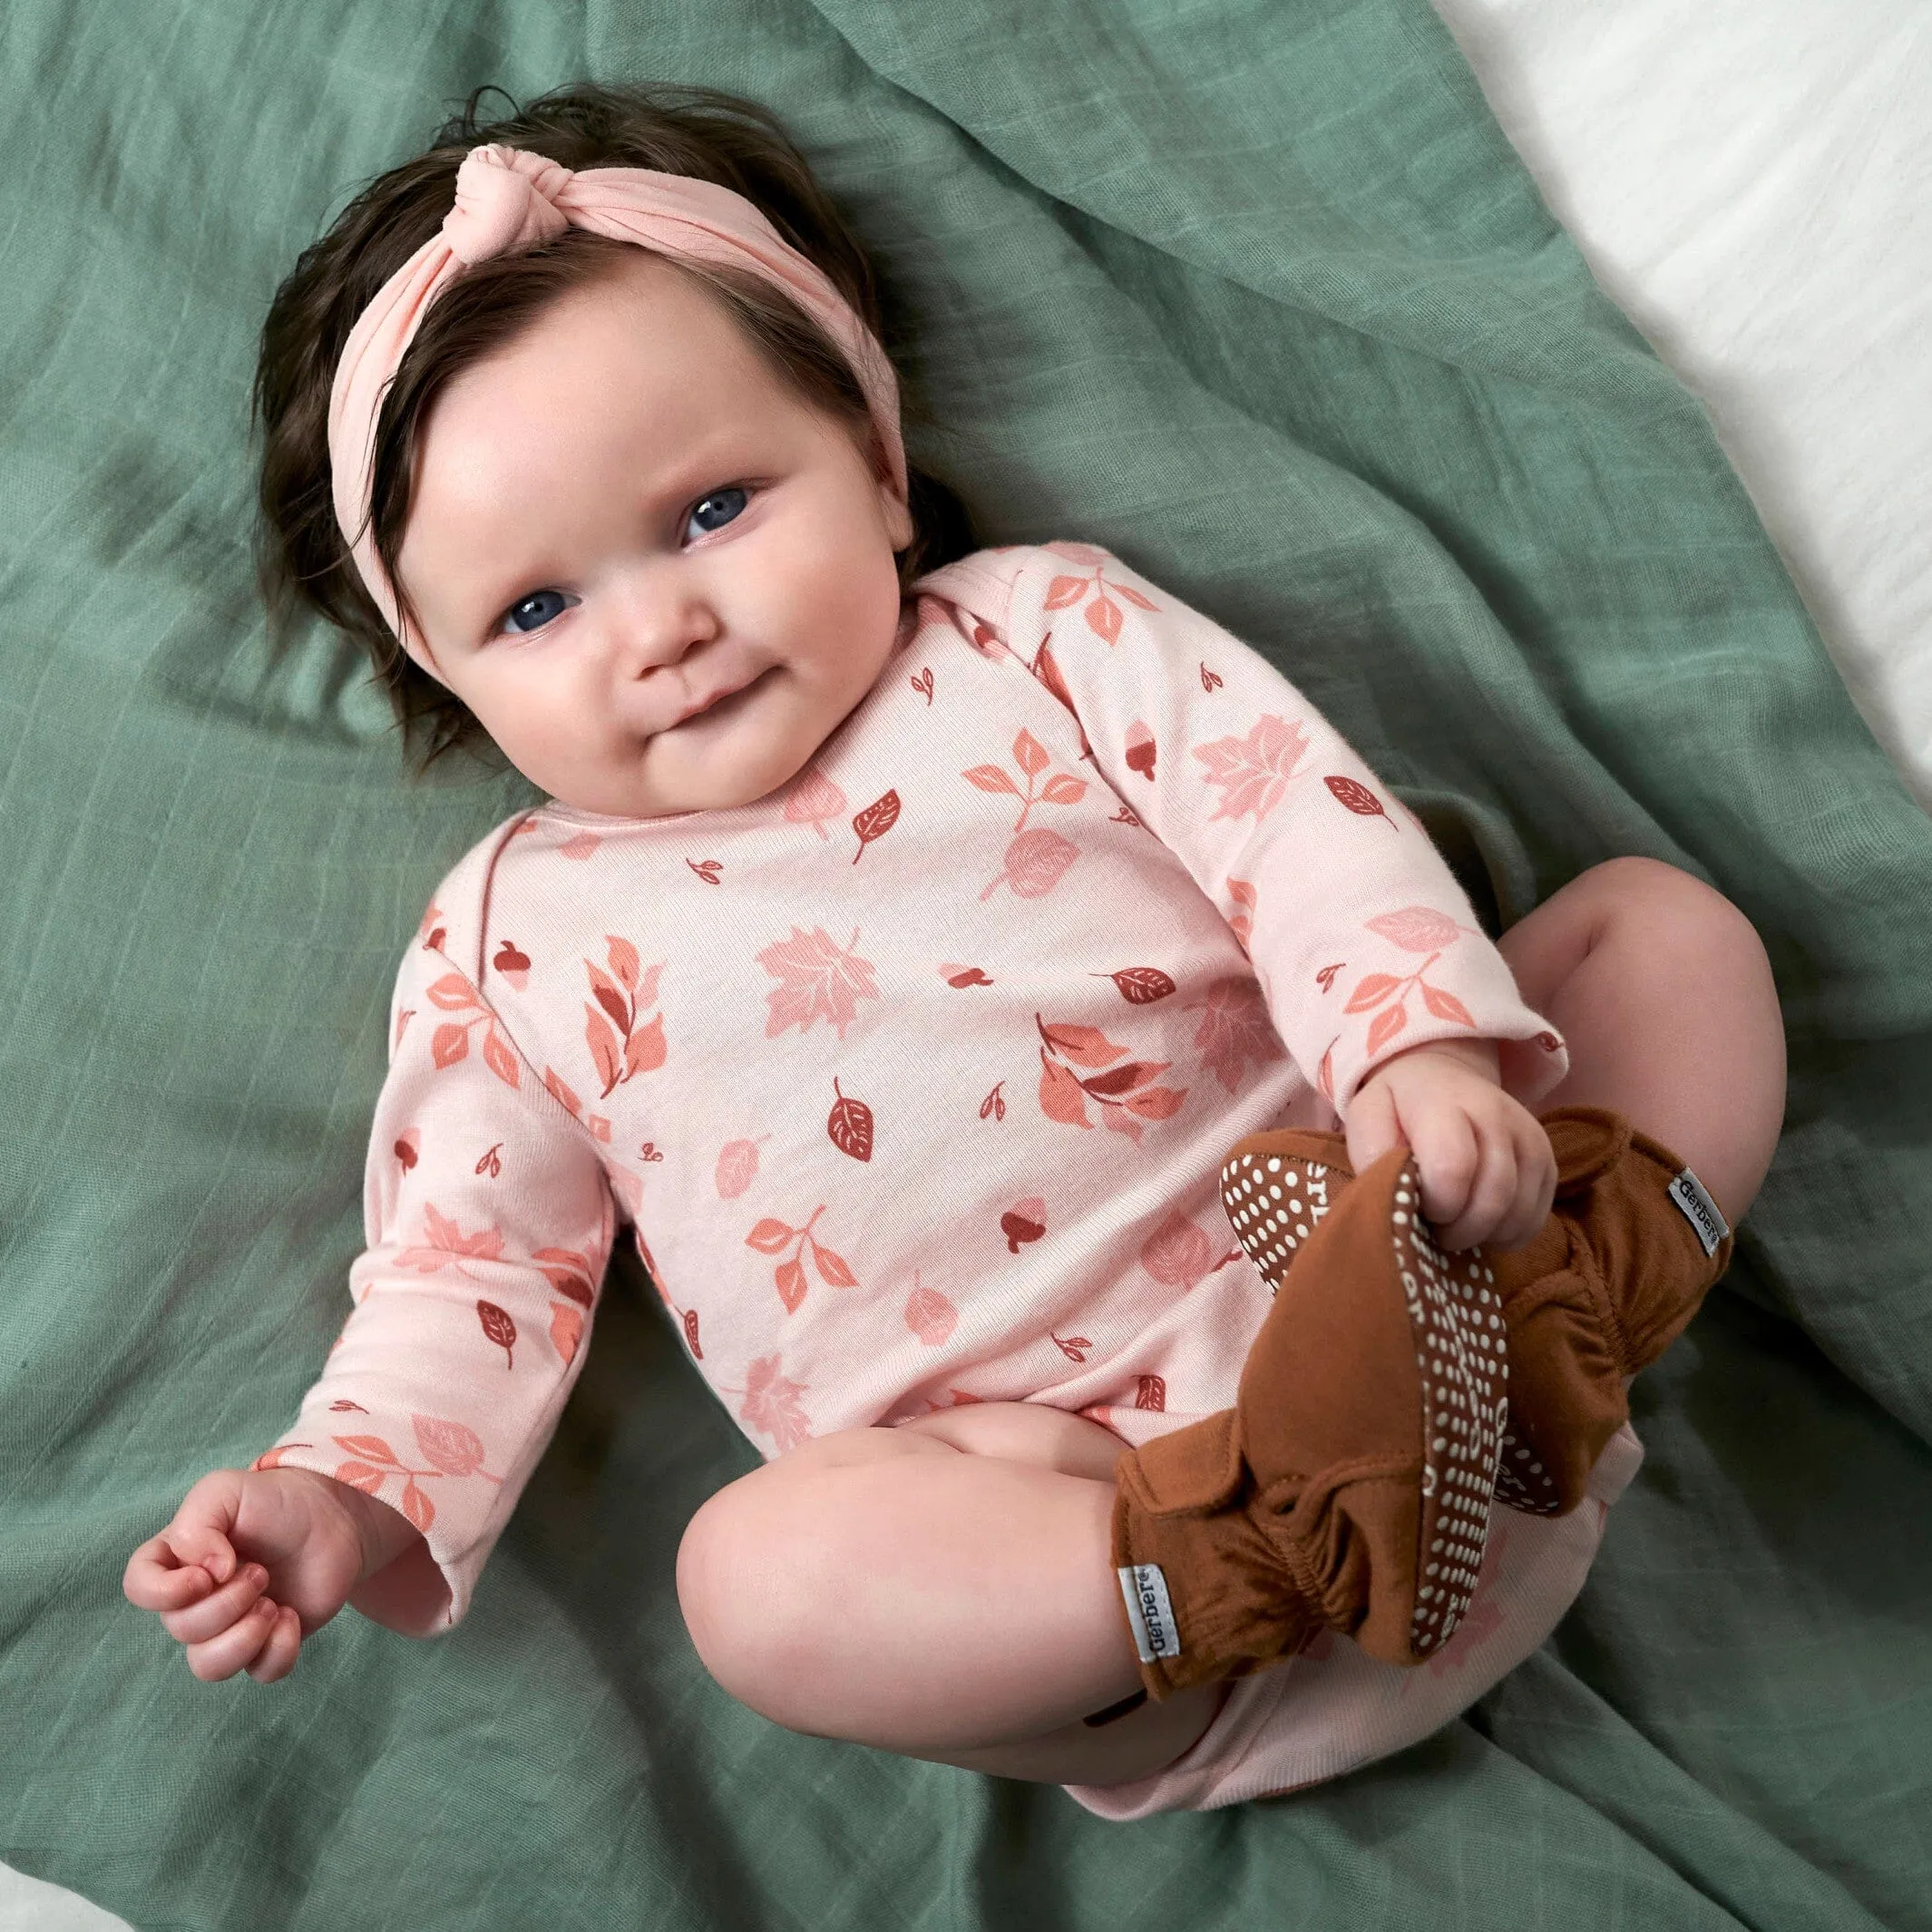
[539,608]
[718,509]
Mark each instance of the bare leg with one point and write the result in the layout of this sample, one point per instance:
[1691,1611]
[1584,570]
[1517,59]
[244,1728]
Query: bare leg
[944,1590]
[1662,990]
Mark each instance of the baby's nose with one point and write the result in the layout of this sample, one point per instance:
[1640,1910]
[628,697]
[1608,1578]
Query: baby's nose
[656,630]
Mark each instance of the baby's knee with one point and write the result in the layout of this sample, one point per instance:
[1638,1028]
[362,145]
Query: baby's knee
[1665,901]
[732,1592]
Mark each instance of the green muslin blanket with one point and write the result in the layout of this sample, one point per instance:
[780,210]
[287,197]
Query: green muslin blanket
[1254,293]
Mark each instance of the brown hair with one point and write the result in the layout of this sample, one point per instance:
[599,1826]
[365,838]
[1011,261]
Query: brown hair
[304,558]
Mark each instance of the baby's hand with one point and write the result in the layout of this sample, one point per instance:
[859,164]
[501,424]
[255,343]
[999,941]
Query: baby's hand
[254,1561]
[1488,1173]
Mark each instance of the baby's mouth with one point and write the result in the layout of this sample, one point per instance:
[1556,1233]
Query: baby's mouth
[727,700]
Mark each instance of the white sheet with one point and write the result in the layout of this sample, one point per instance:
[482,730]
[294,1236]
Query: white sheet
[1751,181]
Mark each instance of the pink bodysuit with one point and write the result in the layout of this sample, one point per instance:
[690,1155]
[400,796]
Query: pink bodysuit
[914,1081]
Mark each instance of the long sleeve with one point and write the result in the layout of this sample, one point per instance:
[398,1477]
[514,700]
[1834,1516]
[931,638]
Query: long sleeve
[1362,942]
[489,1220]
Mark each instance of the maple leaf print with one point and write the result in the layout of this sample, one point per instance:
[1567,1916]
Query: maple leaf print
[820,980]
[1234,1029]
[1253,772]
[771,1403]
[449,1246]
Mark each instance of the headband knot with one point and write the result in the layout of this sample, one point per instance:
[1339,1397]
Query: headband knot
[506,202]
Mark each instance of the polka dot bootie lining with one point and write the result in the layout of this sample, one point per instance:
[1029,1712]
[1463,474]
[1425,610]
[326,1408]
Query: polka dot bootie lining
[1349,1488]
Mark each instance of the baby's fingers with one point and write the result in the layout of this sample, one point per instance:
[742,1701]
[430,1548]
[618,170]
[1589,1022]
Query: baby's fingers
[278,1656]
[219,1609]
[155,1579]
[236,1647]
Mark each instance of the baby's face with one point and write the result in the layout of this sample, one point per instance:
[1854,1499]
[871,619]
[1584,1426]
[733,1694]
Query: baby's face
[658,577]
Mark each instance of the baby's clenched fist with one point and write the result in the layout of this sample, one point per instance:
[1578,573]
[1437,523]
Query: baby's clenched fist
[254,1561]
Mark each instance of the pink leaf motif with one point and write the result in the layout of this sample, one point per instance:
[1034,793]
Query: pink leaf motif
[644,1051]
[602,1043]
[1236,1030]
[1103,618]
[791,1278]
[931,1316]
[1064,789]
[771,1403]
[1065,591]
[1387,1024]
[371,1449]
[1177,1252]
[1253,772]
[1417,929]
[834,1270]
[455,1448]
[566,1329]
[1446,1006]
[812,799]
[1035,864]
[454,994]
[990,778]
[498,1058]
[450,1044]
[1370,990]
[737,1167]
[1157,1103]
[1060,1097]
[417,1506]
[360,1476]
[820,980]
[623,958]
[1029,755]
[581,848]
[769,1236]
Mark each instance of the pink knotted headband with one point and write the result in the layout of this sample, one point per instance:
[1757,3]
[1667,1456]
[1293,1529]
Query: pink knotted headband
[509,200]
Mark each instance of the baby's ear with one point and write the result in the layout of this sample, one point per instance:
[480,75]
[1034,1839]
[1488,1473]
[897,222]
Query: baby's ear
[898,517]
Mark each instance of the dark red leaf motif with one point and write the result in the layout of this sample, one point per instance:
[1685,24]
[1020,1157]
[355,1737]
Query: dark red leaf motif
[1122,1079]
[1210,681]
[342,1404]
[491,1163]
[707,869]
[1017,1228]
[1326,977]
[1358,798]
[499,1328]
[1073,1347]
[690,1332]
[922,684]
[875,821]
[996,1107]
[1140,985]
[850,1126]
[1151,1393]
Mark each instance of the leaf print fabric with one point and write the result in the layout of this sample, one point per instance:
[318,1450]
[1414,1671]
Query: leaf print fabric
[909,1080]
[1278,820]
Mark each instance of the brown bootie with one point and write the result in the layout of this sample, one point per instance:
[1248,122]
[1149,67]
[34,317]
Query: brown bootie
[1632,1243]
[1349,1488]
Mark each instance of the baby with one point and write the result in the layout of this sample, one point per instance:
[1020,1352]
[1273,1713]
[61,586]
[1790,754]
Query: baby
[930,966]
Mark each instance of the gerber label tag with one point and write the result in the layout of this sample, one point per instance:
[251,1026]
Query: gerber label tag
[1149,1611]
[1700,1210]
